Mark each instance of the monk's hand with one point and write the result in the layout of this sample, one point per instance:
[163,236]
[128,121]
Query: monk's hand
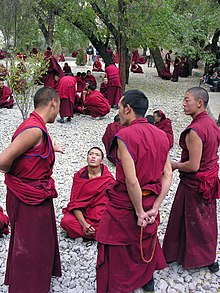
[58,148]
[174,165]
[143,220]
[88,229]
[152,213]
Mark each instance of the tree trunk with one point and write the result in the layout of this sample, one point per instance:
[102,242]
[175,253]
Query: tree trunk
[158,60]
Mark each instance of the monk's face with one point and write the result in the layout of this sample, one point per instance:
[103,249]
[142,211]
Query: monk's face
[94,158]
[122,111]
[55,107]
[156,118]
[1,84]
[191,105]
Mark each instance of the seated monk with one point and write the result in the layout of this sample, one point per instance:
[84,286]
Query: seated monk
[97,65]
[4,222]
[74,53]
[104,87]
[90,78]
[163,123]
[136,68]
[6,98]
[94,103]
[80,83]
[67,69]
[165,72]
[88,198]
[110,132]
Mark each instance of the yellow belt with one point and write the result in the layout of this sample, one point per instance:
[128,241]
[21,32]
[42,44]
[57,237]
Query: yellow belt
[146,192]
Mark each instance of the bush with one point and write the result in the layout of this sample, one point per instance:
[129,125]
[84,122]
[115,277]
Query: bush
[80,58]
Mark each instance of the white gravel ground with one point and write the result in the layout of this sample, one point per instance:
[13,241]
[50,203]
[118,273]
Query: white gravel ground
[79,258]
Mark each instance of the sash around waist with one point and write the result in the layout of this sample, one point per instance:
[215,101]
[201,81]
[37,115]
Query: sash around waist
[33,192]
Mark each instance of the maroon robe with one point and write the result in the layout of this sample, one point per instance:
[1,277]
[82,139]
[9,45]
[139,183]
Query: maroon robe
[33,255]
[87,195]
[135,56]
[67,69]
[114,84]
[97,66]
[166,126]
[104,89]
[165,73]
[4,222]
[80,84]
[67,93]
[135,68]
[53,70]
[96,104]
[107,139]
[119,264]
[91,79]
[4,94]
[168,59]
[176,70]
[191,235]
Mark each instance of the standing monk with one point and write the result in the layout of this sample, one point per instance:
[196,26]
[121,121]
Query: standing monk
[176,70]
[168,59]
[54,73]
[88,198]
[129,250]
[67,91]
[33,255]
[6,98]
[114,85]
[191,235]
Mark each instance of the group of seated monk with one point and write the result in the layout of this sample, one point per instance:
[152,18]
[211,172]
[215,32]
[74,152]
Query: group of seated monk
[6,97]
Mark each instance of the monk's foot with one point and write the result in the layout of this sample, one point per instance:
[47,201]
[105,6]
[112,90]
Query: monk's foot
[61,120]
[68,119]
[214,267]
[149,287]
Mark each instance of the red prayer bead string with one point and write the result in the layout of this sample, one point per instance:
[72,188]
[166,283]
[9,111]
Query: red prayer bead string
[141,245]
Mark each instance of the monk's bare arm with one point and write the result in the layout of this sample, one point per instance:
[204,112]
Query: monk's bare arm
[194,145]
[87,228]
[166,182]
[132,183]
[23,142]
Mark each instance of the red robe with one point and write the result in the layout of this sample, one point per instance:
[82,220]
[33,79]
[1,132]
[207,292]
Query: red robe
[33,255]
[107,139]
[97,66]
[165,73]
[114,84]
[135,56]
[67,93]
[191,235]
[119,264]
[135,68]
[87,195]
[168,59]
[4,94]
[166,126]
[80,84]
[96,104]
[104,89]
[91,79]
[54,69]
[176,70]
[4,221]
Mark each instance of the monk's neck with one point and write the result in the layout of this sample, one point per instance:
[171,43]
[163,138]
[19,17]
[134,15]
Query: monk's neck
[94,172]
[197,113]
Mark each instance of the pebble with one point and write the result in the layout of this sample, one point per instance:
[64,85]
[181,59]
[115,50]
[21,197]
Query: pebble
[78,259]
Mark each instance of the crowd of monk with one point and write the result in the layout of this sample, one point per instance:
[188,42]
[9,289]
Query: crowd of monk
[122,213]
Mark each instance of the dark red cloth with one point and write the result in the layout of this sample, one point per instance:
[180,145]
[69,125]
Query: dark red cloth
[91,78]
[142,60]
[67,93]
[4,222]
[184,68]
[54,69]
[135,68]
[107,139]
[80,84]
[166,126]
[165,73]
[104,89]
[118,231]
[191,235]
[97,66]
[176,70]
[96,104]
[87,195]
[33,255]
[4,94]
[67,69]
[168,59]
[74,54]
[114,84]
[61,58]
[135,56]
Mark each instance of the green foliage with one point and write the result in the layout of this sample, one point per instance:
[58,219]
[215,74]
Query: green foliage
[23,78]
[80,58]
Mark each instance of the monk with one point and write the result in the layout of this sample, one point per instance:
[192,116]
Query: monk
[33,255]
[136,68]
[89,78]
[191,235]
[67,92]
[48,53]
[88,199]
[176,70]
[104,87]
[131,216]
[94,103]
[110,132]
[4,222]
[67,69]
[97,65]
[80,83]
[114,85]
[168,59]
[54,73]
[6,97]
[164,123]
[165,72]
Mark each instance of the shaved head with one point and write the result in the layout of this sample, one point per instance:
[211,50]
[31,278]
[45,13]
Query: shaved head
[199,93]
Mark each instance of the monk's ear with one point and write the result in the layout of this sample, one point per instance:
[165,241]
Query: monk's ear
[128,108]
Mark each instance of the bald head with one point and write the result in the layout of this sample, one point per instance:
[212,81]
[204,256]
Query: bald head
[199,93]
[44,95]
